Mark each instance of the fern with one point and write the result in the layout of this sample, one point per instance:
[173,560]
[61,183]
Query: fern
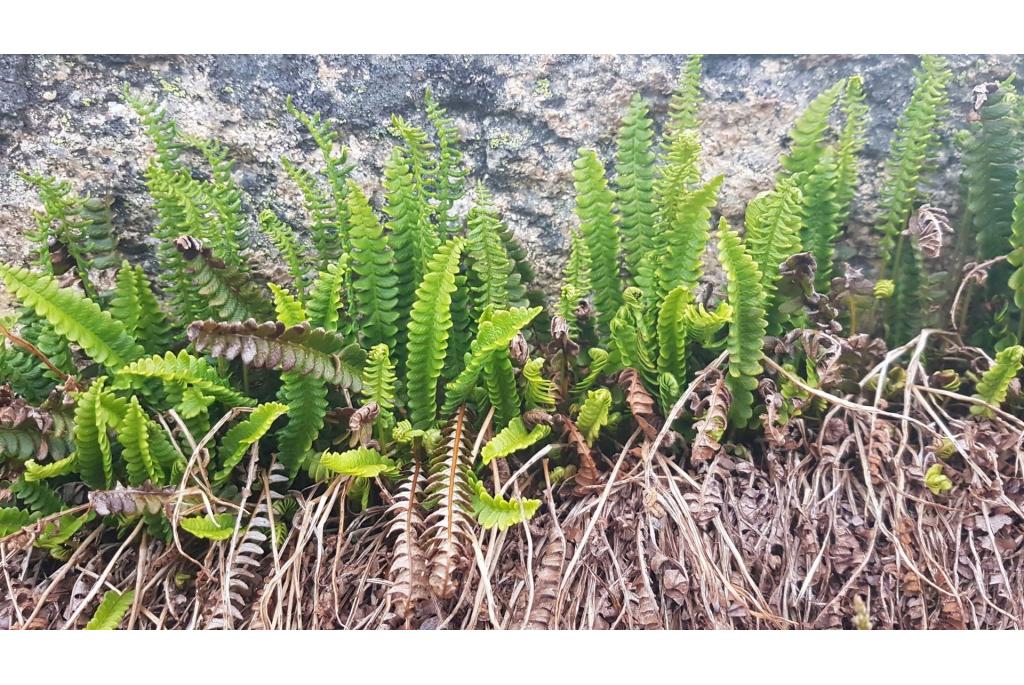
[111,610]
[225,199]
[361,462]
[326,295]
[500,382]
[13,519]
[685,102]
[220,527]
[37,497]
[631,339]
[1016,256]
[379,378]
[809,134]
[429,325]
[495,333]
[599,229]
[851,141]
[92,419]
[538,391]
[688,232]
[136,307]
[494,280]
[134,438]
[287,243]
[312,352]
[374,281]
[73,316]
[159,127]
[821,225]
[593,414]
[634,193]
[748,326]
[995,383]
[448,525]
[242,436]
[493,511]
[182,369]
[287,308]
[62,467]
[576,284]
[449,179]
[673,333]
[222,293]
[513,438]
[321,212]
[773,227]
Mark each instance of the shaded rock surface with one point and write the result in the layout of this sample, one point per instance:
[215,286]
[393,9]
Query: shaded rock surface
[522,117]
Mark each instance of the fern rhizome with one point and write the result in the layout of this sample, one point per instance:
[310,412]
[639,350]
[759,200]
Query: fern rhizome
[718,424]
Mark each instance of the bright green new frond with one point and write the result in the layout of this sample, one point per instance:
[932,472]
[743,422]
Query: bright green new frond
[306,398]
[704,324]
[630,334]
[576,284]
[379,378]
[851,141]
[287,307]
[243,434]
[498,512]
[222,527]
[821,227]
[326,296]
[92,443]
[374,281]
[449,181]
[634,190]
[995,382]
[684,105]
[747,327]
[810,131]
[134,438]
[774,223]
[287,243]
[111,610]
[159,127]
[495,332]
[673,332]
[55,469]
[181,369]
[598,226]
[593,414]
[513,438]
[361,462]
[430,322]
[688,233]
[73,316]
[136,307]
[493,279]
[13,519]
[538,391]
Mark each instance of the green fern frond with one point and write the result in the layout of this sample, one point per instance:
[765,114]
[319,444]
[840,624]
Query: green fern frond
[513,438]
[495,332]
[306,399]
[821,227]
[134,438]
[593,414]
[538,391]
[430,322]
[361,462]
[598,225]
[449,180]
[498,512]
[851,141]
[374,281]
[576,284]
[773,226]
[326,296]
[379,378]
[223,293]
[634,191]
[995,382]
[321,211]
[686,240]
[493,279]
[630,335]
[673,332]
[55,469]
[73,316]
[221,527]
[287,243]
[111,610]
[287,307]
[314,352]
[809,134]
[159,127]
[500,383]
[225,199]
[37,497]
[704,324]
[13,519]
[1016,256]
[684,105]
[748,326]
[242,435]
[176,370]
[136,307]
[93,416]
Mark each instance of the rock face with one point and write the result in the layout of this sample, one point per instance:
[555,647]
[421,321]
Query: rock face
[522,117]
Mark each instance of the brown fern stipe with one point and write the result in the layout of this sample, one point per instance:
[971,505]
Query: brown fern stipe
[408,572]
[450,523]
[714,412]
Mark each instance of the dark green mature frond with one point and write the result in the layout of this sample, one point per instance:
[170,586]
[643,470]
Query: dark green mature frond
[224,197]
[287,243]
[449,180]
[96,410]
[313,352]
[851,141]
[73,316]
[306,399]
[599,228]
[496,330]
[323,215]
[493,279]
[634,190]
[326,295]
[677,174]
[136,307]
[995,382]
[133,434]
[681,261]
[430,322]
[684,106]
[1016,257]
[821,227]
[748,326]
[502,392]
[773,227]
[160,128]
[28,376]
[223,293]
[374,282]
[37,497]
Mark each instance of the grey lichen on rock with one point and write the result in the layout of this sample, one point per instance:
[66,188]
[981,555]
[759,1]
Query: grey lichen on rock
[522,117]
